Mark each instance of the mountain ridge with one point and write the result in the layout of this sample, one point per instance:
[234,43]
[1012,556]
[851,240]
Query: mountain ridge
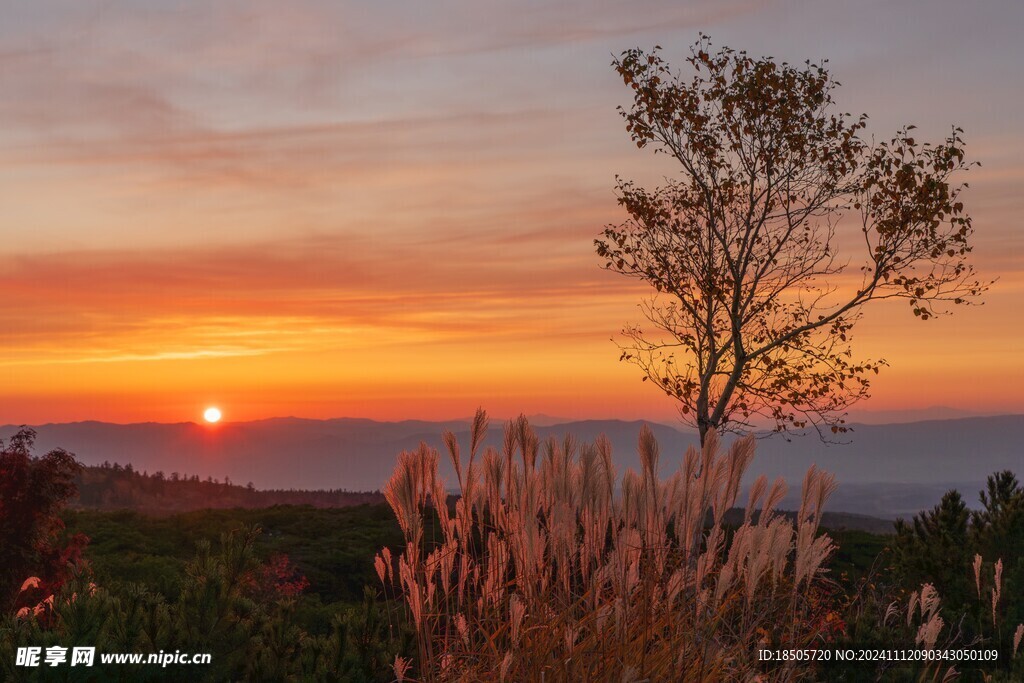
[887,470]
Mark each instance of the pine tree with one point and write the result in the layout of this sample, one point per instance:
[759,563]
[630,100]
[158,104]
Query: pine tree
[935,548]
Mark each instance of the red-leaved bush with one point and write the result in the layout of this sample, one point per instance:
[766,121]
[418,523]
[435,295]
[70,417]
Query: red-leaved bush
[33,490]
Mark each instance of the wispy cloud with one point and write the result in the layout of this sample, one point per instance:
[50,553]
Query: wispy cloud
[304,294]
[65,359]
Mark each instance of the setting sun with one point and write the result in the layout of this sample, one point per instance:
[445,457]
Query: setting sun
[212,414]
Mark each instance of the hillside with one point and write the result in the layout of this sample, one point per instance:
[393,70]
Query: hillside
[112,487]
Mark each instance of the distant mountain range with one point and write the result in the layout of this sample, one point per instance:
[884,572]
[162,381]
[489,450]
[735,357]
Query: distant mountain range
[886,470]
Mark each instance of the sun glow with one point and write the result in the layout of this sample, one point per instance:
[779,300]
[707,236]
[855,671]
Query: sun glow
[212,414]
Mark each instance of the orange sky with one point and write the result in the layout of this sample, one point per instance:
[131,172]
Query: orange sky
[387,210]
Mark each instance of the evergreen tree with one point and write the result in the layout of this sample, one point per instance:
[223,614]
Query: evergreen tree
[935,548]
[998,531]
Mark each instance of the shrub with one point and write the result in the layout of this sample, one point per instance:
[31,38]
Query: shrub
[33,490]
[230,604]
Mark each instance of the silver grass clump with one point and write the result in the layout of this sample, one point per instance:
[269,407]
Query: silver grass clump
[547,562]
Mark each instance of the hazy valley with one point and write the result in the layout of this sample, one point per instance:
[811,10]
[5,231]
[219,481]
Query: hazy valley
[886,470]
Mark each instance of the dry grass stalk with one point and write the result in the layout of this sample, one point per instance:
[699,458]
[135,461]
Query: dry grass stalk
[544,572]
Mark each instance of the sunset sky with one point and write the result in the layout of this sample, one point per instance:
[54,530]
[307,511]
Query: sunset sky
[387,209]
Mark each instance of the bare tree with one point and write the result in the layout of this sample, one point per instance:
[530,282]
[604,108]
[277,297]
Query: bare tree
[754,303]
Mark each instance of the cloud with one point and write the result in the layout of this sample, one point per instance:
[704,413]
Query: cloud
[258,92]
[266,298]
